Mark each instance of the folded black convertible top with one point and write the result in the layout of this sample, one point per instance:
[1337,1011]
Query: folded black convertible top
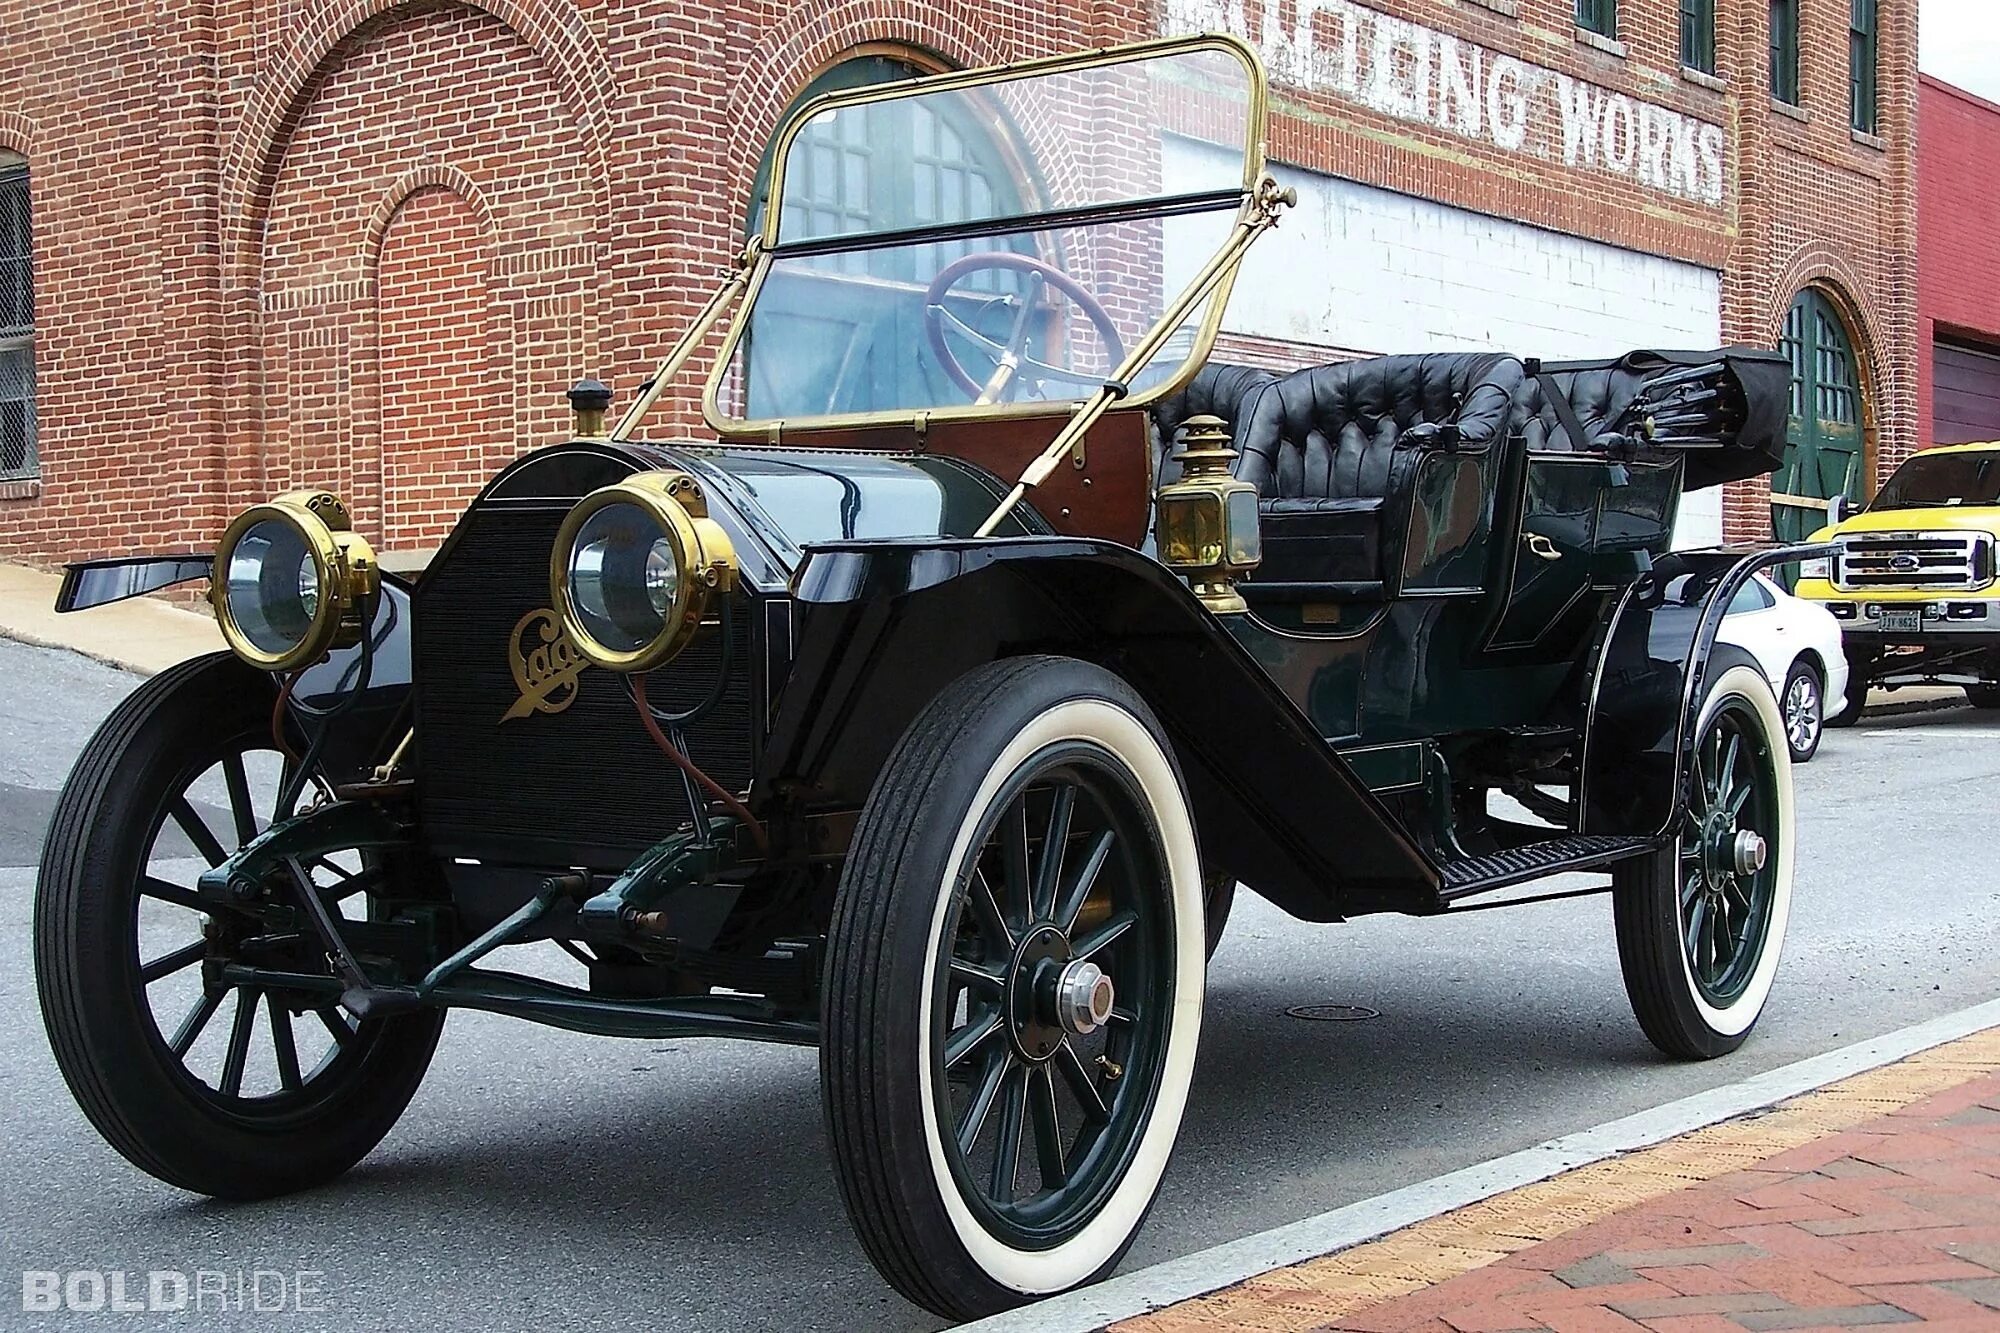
[1726,409]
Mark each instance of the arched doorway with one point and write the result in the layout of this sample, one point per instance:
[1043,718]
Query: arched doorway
[1826,441]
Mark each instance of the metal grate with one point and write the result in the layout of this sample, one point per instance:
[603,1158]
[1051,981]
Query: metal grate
[18,457]
[1514,864]
[1947,561]
[582,786]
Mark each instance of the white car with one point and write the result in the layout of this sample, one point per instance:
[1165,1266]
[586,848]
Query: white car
[1797,646]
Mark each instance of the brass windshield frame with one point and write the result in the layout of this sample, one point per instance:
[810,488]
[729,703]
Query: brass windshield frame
[760,258]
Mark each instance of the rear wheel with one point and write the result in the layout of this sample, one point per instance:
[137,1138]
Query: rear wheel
[1014,987]
[233,1092]
[1983,696]
[1701,923]
[1854,700]
[1804,708]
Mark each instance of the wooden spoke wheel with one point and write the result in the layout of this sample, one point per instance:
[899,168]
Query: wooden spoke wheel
[1701,923]
[1014,988]
[224,1090]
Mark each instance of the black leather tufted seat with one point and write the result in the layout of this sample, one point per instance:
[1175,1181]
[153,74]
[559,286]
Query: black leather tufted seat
[1331,452]
[1217,390]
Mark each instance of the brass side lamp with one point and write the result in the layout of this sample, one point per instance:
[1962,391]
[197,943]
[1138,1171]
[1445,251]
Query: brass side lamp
[1207,525]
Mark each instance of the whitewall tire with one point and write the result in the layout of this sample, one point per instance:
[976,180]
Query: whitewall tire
[1701,924]
[1014,988]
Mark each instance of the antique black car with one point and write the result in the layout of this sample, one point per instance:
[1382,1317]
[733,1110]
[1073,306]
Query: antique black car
[931,707]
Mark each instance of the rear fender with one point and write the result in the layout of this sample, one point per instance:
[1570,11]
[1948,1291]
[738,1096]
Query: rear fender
[882,627]
[1654,665]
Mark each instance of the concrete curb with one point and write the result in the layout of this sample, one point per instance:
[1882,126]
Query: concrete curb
[1224,1265]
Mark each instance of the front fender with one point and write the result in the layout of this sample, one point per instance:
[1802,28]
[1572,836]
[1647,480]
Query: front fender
[89,583]
[1652,674]
[882,627]
[363,734]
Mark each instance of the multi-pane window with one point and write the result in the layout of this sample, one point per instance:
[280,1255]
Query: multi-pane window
[1785,50]
[1698,35]
[1599,16]
[18,459]
[1861,65]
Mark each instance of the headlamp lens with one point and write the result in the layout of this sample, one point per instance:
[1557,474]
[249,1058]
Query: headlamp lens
[273,586]
[624,577]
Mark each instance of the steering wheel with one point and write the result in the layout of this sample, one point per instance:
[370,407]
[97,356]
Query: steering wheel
[1009,360]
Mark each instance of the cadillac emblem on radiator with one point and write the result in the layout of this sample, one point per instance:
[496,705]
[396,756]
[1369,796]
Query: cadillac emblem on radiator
[545,664]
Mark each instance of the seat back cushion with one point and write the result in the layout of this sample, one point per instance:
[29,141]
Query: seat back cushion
[1217,390]
[1330,432]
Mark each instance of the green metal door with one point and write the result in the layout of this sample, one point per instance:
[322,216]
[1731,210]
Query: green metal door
[1823,451]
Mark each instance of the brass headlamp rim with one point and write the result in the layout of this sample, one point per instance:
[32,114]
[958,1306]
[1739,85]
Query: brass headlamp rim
[344,568]
[703,554]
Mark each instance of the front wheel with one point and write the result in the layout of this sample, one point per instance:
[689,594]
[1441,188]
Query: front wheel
[216,1088]
[1983,696]
[1013,988]
[1701,923]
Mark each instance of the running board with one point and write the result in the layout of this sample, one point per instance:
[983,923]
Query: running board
[1482,874]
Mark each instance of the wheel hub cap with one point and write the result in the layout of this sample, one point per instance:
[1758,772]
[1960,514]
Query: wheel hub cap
[1749,851]
[1083,997]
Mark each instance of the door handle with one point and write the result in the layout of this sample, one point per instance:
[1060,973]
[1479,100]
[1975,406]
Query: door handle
[1540,547]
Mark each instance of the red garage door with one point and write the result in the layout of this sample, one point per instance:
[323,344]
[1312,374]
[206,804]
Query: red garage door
[1967,403]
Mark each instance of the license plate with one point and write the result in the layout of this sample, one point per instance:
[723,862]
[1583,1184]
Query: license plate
[1909,621]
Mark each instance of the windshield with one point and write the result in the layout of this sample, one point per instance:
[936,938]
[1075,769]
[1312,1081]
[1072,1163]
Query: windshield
[994,241]
[1941,481]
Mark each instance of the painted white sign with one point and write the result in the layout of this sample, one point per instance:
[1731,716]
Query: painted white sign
[1417,74]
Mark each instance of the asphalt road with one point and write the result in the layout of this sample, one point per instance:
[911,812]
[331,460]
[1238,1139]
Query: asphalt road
[542,1179]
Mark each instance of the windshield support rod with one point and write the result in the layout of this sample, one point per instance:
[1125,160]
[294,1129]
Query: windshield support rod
[1259,214]
[724,297]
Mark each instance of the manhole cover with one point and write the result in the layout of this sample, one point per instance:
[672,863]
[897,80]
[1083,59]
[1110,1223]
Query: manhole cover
[1333,1013]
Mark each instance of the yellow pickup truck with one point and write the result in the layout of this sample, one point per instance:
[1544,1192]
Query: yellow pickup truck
[1913,580]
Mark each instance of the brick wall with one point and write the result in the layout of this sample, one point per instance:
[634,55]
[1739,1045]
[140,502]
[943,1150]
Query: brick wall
[246,208]
[1959,258]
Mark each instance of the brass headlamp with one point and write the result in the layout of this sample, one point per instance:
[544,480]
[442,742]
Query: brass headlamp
[1207,523]
[293,580]
[635,568]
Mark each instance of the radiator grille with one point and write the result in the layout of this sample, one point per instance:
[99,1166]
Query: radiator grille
[1950,560]
[580,786]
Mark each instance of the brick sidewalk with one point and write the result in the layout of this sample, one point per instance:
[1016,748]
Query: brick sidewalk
[1874,1201]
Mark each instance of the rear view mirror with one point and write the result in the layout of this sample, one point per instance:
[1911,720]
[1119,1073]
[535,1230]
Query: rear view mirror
[1839,509]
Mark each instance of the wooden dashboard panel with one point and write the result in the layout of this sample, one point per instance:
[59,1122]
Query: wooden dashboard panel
[1108,497]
